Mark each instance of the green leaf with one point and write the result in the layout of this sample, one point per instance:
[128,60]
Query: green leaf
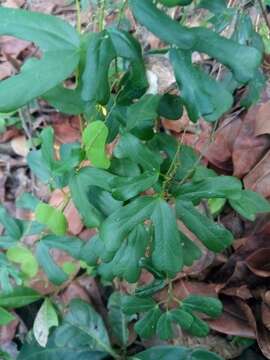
[164,327]
[132,148]
[146,326]
[169,352]
[65,100]
[70,244]
[58,41]
[216,206]
[95,83]
[23,256]
[167,254]
[150,289]
[118,320]
[18,297]
[5,317]
[118,225]
[161,24]
[191,252]
[202,95]
[199,327]
[94,140]
[80,184]
[126,262]
[250,204]
[142,113]
[46,319]
[214,236]
[183,318]
[32,351]
[12,226]
[82,327]
[133,304]
[212,187]
[204,304]
[53,218]
[55,274]
[125,188]
[170,107]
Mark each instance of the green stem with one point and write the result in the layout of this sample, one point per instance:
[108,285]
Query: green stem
[102,6]
[78,11]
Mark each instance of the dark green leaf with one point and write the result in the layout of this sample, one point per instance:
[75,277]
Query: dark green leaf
[214,236]
[164,326]
[183,318]
[204,304]
[18,297]
[150,289]
[5,317]
[167,254]
[199,327]
[12,226]
[170,107]
[191,252]
[134,304]
[202,95]
[250,204]
[146,326]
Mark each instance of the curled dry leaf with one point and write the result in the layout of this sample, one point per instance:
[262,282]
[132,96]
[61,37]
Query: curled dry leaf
[259,262]
[66,128]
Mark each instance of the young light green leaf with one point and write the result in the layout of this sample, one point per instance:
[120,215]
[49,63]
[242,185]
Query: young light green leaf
[46,319]
[214,236]
[18,297]
[53,218]
[250,204]
[167,255]
[94,140]
[23,256]
[5,317]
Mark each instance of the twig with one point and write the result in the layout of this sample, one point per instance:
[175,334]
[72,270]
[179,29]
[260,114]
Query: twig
[264,13]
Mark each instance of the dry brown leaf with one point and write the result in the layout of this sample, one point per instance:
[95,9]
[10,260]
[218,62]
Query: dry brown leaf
[259,262]
[262,125]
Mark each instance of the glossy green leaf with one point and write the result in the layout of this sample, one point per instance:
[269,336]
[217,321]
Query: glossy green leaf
[18,297]
[118,225]
[53,218]
[202,95]
[150,289]
[250,204]
[22,255]
[134,304]
[164,326]
[5,317]
[46,319]
[83,327]
[199,327]
[214,236]
[204,304]
[146,326]
[167,253]
[94,139]
[57,40]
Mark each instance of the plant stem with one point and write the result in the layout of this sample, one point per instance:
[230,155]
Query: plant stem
[102,7]
[78,11]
